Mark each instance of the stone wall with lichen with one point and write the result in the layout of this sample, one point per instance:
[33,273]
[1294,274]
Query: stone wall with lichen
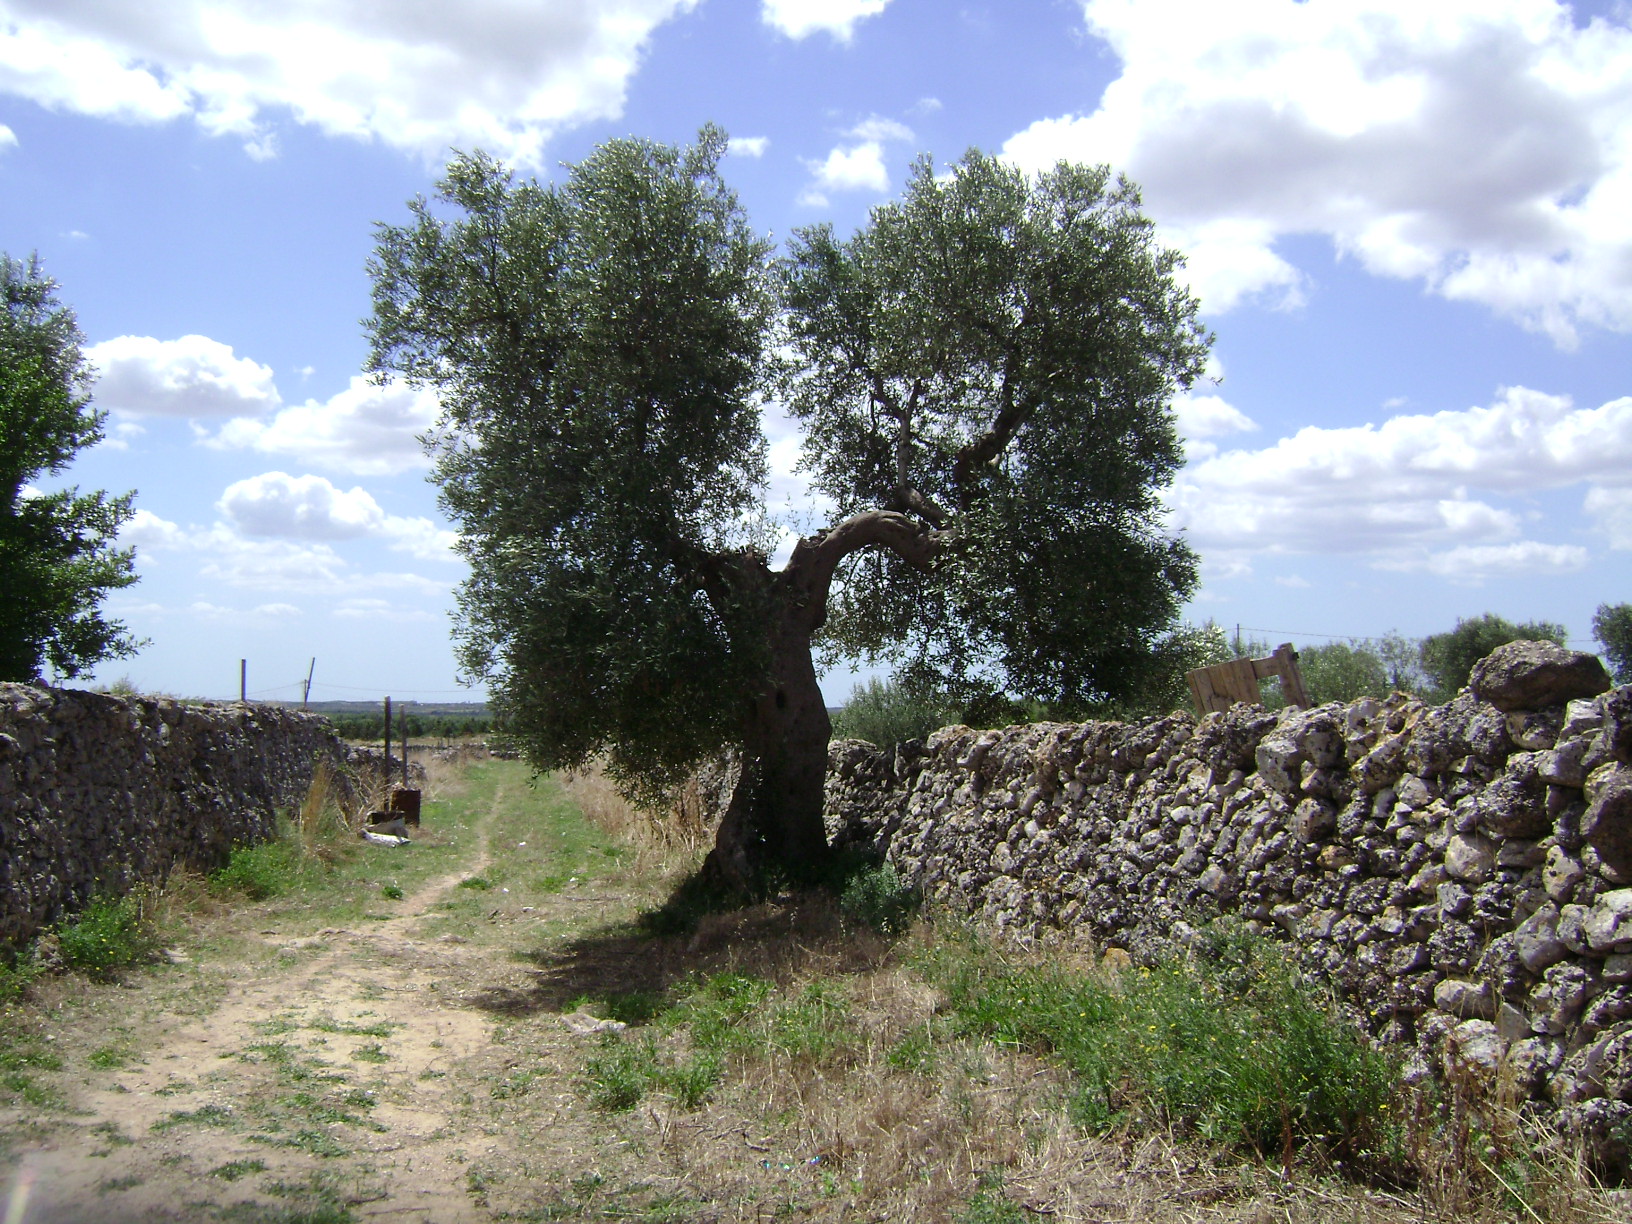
[1461,873]
[99,793]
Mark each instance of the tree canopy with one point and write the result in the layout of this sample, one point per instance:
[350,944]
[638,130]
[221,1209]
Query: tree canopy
[1448,658]
[1612,626]
[984,373]
[995,357]
[57,554]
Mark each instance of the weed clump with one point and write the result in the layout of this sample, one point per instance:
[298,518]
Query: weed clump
[108,935]
[876,896]
[1227,1043]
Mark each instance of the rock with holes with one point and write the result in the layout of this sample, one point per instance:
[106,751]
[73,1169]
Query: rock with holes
[1536,675]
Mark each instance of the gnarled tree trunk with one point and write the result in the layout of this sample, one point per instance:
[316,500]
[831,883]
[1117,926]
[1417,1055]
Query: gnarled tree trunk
[774,823]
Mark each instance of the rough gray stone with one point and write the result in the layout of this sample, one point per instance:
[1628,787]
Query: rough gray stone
[1465,1000]
[1536,675]
[1470,857]
[1608,924]
[1561,873]
[1537,941]
[100,792]
[1473,1052]
[1606,825]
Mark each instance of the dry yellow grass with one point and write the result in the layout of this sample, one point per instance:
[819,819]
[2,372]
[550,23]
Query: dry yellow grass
[663,840]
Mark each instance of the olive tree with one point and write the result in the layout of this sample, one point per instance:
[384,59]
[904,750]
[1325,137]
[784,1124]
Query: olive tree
[1447,659]
[1612,626]
[984,373]
[58,556]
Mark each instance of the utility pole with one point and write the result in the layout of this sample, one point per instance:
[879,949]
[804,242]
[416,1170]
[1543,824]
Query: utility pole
[306,694]
[243,680]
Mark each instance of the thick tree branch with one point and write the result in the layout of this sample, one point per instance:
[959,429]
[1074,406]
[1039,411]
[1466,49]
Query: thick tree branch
[815,558]
[1011,415]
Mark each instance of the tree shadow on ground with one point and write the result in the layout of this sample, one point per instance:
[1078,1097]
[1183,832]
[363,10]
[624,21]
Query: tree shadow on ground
[779,939]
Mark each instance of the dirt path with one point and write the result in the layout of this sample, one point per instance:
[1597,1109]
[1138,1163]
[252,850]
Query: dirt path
[342,1075]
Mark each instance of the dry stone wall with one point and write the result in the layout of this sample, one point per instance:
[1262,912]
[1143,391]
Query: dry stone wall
[98,793]
[1462,873]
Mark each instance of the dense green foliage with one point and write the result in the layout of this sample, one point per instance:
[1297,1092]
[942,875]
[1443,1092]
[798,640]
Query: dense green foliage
[984,372]
[599,350]
[995,356]
[108,934]
[371,727]
[886,713]
[57,553]
[1448,658]
[1228,1043]
[1612,626]
[1343,671]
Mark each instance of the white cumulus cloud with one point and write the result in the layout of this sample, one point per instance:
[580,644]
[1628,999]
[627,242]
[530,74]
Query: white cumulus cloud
[1444,492]
[857,166]
[365,430]
[300,508]
[801,18]
[8,138]
[284,566]
[497,74]
[275,505]
[1472,564]
[193,377]
[748,146]
[1611,510]
[1483,147]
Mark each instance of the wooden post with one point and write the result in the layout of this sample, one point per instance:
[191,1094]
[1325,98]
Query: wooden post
[243,680]
[388,739]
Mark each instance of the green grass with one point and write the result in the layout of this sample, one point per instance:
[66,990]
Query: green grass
[1228,1044]
[266,869]
[708,1022]
[108,935]
[234,1169]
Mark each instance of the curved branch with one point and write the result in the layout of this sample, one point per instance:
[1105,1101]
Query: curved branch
[816,557]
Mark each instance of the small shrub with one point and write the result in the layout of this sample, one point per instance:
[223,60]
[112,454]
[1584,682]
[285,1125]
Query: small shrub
[876,896]
[266,869]
[621,1074]
[692,1081]
[108,934]
[888,714]
[479,883]
[1229,1044]
[991,1206]
[18,969]
[391,892]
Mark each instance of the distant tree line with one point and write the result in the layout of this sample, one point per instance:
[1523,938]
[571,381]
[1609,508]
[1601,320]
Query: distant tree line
[1434,668]
[415,726]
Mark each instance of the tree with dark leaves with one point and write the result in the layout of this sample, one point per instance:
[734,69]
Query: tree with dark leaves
[984,373]
[58,558]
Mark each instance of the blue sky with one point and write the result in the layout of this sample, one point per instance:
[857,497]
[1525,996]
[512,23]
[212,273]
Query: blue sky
[1409,224]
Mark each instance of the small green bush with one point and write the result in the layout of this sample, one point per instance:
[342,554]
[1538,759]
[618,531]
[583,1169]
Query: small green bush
[108,934]
[886,714]
[622,1073]
[18,969]
[266,869]
[877,896]
[1228,1043]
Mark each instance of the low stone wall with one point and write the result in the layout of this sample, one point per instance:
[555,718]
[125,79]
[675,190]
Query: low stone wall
[98,793]
[1462,874]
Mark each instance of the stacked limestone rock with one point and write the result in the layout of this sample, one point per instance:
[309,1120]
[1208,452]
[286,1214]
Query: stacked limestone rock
[100,792]
[1461,872]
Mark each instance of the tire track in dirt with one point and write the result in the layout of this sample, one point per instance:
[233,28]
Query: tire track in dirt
[334,1077]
